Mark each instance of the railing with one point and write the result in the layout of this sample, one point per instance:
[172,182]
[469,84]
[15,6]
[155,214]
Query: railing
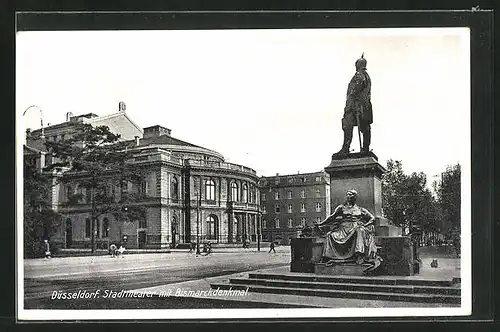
[158,156]
[220,165]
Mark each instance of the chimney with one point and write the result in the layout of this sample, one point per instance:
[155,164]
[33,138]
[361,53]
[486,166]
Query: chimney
[136,140]
[69,115]
[277,174]
[156,131]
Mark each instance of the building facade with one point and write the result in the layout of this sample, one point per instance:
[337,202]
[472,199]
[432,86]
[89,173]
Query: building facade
[189,192]
[290,202]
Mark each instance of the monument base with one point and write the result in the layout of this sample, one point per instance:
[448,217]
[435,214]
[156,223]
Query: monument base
[396,253]
[383,228]
[306,251]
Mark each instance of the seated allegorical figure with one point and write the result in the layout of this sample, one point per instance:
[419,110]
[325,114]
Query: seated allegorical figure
[351,238]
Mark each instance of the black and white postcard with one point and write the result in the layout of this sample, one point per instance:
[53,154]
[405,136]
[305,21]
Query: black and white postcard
[292,173]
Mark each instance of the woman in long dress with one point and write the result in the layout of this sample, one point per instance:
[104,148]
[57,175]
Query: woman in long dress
[352,237]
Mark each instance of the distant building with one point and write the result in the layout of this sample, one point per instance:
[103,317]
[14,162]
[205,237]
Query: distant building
[190,191]
[290,202]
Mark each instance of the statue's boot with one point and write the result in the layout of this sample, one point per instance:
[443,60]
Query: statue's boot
[347,142]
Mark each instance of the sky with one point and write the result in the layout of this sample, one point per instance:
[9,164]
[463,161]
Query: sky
[271,100]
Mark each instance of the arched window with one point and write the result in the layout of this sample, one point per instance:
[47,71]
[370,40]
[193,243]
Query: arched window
[174,224]
[245,193]
[234,192]
[252,194]
[212,231]
[174,188]
[105,227]
[209,190]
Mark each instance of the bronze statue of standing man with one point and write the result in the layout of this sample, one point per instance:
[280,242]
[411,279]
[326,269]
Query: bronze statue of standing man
[358,108]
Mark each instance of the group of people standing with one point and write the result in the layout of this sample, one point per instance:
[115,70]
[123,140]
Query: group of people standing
[114,251]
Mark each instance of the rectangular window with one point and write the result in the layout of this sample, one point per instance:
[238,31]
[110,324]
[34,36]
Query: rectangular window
[143,191]
[277,223]
[69,192]
[209,190]
[289,195]
[318,192]
[318,178]
[304,180]
[277,208]
[289,208]
[264,210]
[303,221]
[88,228]
[318,219]
[290,180]
[80,191]
[276,195]
[302,207]
[98,222]
[264,223]
[290,223]
[142,224]
[263,196]
[303,194]
[318,207]
[277,181]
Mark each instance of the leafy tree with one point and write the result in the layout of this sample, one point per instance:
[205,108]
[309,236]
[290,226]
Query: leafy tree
[449,198]
[406,201]
[40,221]
[94,168]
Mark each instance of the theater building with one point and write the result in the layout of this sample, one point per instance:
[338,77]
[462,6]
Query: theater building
[189,191]
[290,202]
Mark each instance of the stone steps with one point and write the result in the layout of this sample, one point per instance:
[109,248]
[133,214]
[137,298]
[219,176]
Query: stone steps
[355,279]
[369,288]
[400,289]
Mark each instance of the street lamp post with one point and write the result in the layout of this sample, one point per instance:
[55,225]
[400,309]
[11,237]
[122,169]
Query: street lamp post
[198,223]
[42,134]
[258,231]
[107,233]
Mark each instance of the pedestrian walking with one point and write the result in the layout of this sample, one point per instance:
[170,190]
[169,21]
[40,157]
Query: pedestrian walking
[271,247]
[120,251]
[192,246]
[47,249]
[112,250]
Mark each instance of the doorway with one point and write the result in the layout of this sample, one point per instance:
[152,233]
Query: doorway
[69,233]
[141,237]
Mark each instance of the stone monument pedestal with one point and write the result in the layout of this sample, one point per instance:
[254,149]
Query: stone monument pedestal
[363,173]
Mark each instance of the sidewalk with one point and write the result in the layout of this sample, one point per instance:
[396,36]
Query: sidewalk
[95,265]
[143,255]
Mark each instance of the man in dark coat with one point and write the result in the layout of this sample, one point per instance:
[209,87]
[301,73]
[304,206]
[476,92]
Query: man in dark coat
[358,108]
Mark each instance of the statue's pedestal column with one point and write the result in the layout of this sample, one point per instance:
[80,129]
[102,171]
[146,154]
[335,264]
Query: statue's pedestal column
[361,172]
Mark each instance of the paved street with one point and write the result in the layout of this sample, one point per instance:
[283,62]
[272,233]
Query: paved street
[43,278]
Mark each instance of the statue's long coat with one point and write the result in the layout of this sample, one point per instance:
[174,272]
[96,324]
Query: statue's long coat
[358,100]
